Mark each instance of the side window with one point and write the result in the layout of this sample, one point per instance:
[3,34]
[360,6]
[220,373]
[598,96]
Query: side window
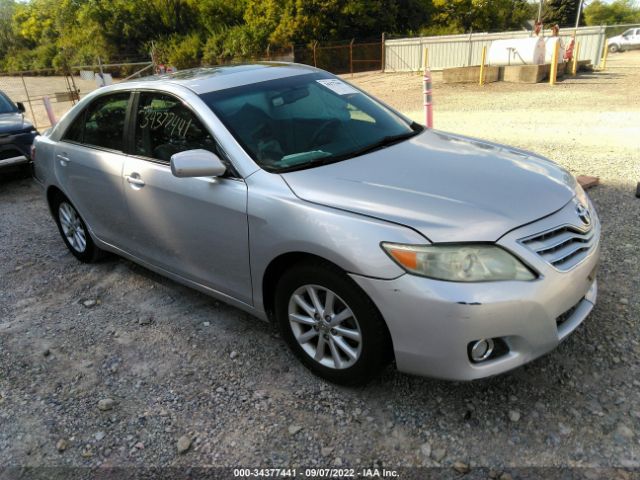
[104,121]
[75,131]
[164,126]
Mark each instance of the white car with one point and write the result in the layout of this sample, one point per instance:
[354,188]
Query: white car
[627,41]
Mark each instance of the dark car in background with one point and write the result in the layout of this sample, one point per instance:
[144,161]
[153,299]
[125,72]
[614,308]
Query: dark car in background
[16,134]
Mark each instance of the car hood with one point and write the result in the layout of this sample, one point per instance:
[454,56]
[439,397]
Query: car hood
[13,122]
[448,187]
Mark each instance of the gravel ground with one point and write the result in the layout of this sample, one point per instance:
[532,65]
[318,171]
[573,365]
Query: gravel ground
[112,365]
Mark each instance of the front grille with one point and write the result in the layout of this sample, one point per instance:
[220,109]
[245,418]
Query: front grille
[563,247]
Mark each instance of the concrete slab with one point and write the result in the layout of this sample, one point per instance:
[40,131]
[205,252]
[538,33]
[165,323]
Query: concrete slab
[470,74]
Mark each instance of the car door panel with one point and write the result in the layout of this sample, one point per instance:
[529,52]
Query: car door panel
[92,180]
[195,227]
[89,163]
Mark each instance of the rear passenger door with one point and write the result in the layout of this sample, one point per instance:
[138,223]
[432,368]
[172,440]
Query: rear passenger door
[89,161]
[194,227]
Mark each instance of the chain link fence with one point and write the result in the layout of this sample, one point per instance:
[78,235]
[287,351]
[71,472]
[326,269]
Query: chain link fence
[342,57]
[63,88]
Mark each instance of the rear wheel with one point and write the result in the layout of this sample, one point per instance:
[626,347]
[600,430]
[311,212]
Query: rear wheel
[74,231]
[331,324]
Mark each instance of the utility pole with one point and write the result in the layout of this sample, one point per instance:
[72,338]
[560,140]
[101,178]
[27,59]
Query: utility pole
[578,17]
[540,10]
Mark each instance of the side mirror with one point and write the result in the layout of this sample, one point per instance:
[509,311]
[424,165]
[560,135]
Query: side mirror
[197,163]
[20,106]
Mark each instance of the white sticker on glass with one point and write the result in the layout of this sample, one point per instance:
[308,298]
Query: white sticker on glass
[338,86]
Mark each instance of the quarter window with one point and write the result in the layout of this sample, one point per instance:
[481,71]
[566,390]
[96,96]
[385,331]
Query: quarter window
[76,130]
[104,121]
[165,126]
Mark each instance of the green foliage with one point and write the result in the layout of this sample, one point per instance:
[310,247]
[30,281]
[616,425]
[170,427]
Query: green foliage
[562,12]
[7,33]
[458,16]
[619,11]
[58,33]
[181,51]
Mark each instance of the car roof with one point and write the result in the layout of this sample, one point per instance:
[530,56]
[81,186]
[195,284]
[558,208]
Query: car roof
[208,79]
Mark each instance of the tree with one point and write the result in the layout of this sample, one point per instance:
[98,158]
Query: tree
[619,11]
[7,33]
[561,12]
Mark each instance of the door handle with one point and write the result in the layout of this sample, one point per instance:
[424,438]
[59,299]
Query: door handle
[63,159]
[135,180]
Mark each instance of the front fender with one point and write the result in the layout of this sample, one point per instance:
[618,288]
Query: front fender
[281,223]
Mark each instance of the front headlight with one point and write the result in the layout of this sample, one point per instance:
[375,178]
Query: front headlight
[459,263]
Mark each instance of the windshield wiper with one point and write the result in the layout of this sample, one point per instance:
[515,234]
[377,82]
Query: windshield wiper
[380,144]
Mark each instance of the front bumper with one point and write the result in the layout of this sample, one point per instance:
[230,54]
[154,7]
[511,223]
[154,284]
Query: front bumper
[433,322]
[15,149]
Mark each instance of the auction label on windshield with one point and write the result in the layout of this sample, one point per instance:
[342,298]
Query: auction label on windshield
[338,86]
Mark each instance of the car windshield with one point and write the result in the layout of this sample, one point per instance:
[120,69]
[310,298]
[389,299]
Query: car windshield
[6,105]
[306,120]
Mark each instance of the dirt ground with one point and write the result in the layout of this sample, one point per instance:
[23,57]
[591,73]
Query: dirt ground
[176,363]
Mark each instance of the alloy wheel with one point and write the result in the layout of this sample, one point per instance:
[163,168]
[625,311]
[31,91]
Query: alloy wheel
[72,227]
[325,327]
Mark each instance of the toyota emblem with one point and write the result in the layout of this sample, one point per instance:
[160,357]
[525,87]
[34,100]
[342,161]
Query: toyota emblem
[583,214]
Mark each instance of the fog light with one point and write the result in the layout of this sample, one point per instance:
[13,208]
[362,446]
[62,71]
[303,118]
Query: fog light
[481,349]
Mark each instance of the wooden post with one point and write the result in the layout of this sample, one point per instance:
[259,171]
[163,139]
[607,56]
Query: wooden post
[351,56]
[576,52]
[484,59]
[554,64]
[315,60]
[382,55]
[269,52]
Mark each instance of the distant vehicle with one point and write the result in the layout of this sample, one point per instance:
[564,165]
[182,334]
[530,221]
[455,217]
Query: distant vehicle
[16,133]
[292,194]
[627,41]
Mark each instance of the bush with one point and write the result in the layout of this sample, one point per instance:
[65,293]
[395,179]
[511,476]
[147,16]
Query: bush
[180,51]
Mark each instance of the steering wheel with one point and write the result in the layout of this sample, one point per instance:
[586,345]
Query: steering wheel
[322,129]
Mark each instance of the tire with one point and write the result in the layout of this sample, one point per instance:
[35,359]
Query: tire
[613,48]
[74,231]
[354,312]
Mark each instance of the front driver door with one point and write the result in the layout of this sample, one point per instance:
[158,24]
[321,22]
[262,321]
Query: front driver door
[194,227]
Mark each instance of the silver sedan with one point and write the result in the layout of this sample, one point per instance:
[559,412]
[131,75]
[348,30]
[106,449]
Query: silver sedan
[288,192]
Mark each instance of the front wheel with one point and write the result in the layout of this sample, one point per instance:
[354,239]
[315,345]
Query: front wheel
[331,325]
[613,48]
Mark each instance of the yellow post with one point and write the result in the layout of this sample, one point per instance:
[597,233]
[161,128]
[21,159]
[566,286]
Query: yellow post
[484,59]
[425,59]
[604,57]
[554,65]
[576,52]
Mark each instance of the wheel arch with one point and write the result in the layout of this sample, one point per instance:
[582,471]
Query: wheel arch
[277,267]
[53,193]
[285,261]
